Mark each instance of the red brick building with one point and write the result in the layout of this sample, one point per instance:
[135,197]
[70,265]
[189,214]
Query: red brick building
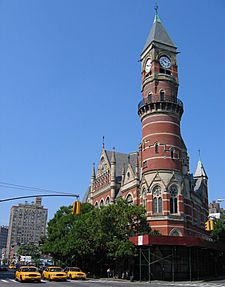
[156,176]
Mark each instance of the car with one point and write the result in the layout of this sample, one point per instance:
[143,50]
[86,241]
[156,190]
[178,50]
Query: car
[28,273]
[75,273]
[54,273]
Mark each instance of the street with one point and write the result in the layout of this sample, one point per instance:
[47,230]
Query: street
[7,280]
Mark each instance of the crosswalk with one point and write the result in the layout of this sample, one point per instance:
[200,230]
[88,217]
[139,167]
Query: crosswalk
[160,283]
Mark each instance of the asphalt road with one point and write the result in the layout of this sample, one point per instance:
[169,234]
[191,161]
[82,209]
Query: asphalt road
[7,279]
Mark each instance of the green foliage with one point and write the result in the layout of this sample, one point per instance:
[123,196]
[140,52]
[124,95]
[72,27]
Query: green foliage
[97,235]
[30,250]
[218,233]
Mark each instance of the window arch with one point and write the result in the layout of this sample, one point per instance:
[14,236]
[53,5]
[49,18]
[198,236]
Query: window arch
[162,95]
[144,197]
[175,232]
[96,204]
[107,201]
[156,199]
[173,198]
[156,147]
[150,97]
[101,203]
[129,199]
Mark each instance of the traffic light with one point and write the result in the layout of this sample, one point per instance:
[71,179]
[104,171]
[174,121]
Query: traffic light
[209,225]
[76,207]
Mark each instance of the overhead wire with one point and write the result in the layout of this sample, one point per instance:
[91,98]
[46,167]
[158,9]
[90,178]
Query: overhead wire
[30,188]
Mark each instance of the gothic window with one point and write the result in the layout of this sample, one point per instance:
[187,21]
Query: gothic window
[162,95]
[96,204]
[129,199]
[150,97]
[156,147]
[145,164]
[144,197]
[157,199]
[101,203]
[175,232]
[107,201]
[173,198]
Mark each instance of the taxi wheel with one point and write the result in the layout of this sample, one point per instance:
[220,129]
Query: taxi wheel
[21,279]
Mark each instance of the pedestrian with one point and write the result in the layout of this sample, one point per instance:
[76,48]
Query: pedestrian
[109,272]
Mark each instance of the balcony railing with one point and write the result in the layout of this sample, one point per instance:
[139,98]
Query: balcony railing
[160,99]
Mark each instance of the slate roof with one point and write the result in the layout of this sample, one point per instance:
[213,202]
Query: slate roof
[158,34]
[200,171]
[122,160]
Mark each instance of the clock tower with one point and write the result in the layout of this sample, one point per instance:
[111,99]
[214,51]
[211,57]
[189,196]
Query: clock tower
[163,155]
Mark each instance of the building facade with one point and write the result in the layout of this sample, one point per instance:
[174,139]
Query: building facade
[157,175]
[27,225]
[3,239]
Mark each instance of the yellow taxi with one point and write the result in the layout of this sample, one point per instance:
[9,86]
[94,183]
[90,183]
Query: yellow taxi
[28,273]
[54,273]
[75,273]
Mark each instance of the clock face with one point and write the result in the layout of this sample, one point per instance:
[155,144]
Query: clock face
[165,62]
[148,65]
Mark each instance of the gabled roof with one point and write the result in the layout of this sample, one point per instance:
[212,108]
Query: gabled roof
[122,160]
[200,171]
[158,34]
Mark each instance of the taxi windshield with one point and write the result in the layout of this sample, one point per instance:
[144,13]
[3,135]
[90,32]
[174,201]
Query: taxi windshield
[56,269]
[29,269]
[75,269]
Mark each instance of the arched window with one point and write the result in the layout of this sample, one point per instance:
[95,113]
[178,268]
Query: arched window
[144,197]
[173,198]
[101,203]
[150,97]
[156,147]
[107,201]
[129,199]
[157,199]
[162,95]
[96,204]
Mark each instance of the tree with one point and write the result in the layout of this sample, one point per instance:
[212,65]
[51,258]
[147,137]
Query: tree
[98,237]
[30,250]
[218,232]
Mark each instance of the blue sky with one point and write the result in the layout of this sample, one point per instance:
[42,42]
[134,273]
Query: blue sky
[69,74]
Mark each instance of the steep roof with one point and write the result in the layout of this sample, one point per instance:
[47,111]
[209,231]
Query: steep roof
[158,34]
[122,160]
[200,171]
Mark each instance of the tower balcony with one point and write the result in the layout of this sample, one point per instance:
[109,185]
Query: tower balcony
[160,103]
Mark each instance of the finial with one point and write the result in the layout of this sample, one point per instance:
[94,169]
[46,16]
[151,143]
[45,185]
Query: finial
[199,154]
[156,8]
[103,142]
